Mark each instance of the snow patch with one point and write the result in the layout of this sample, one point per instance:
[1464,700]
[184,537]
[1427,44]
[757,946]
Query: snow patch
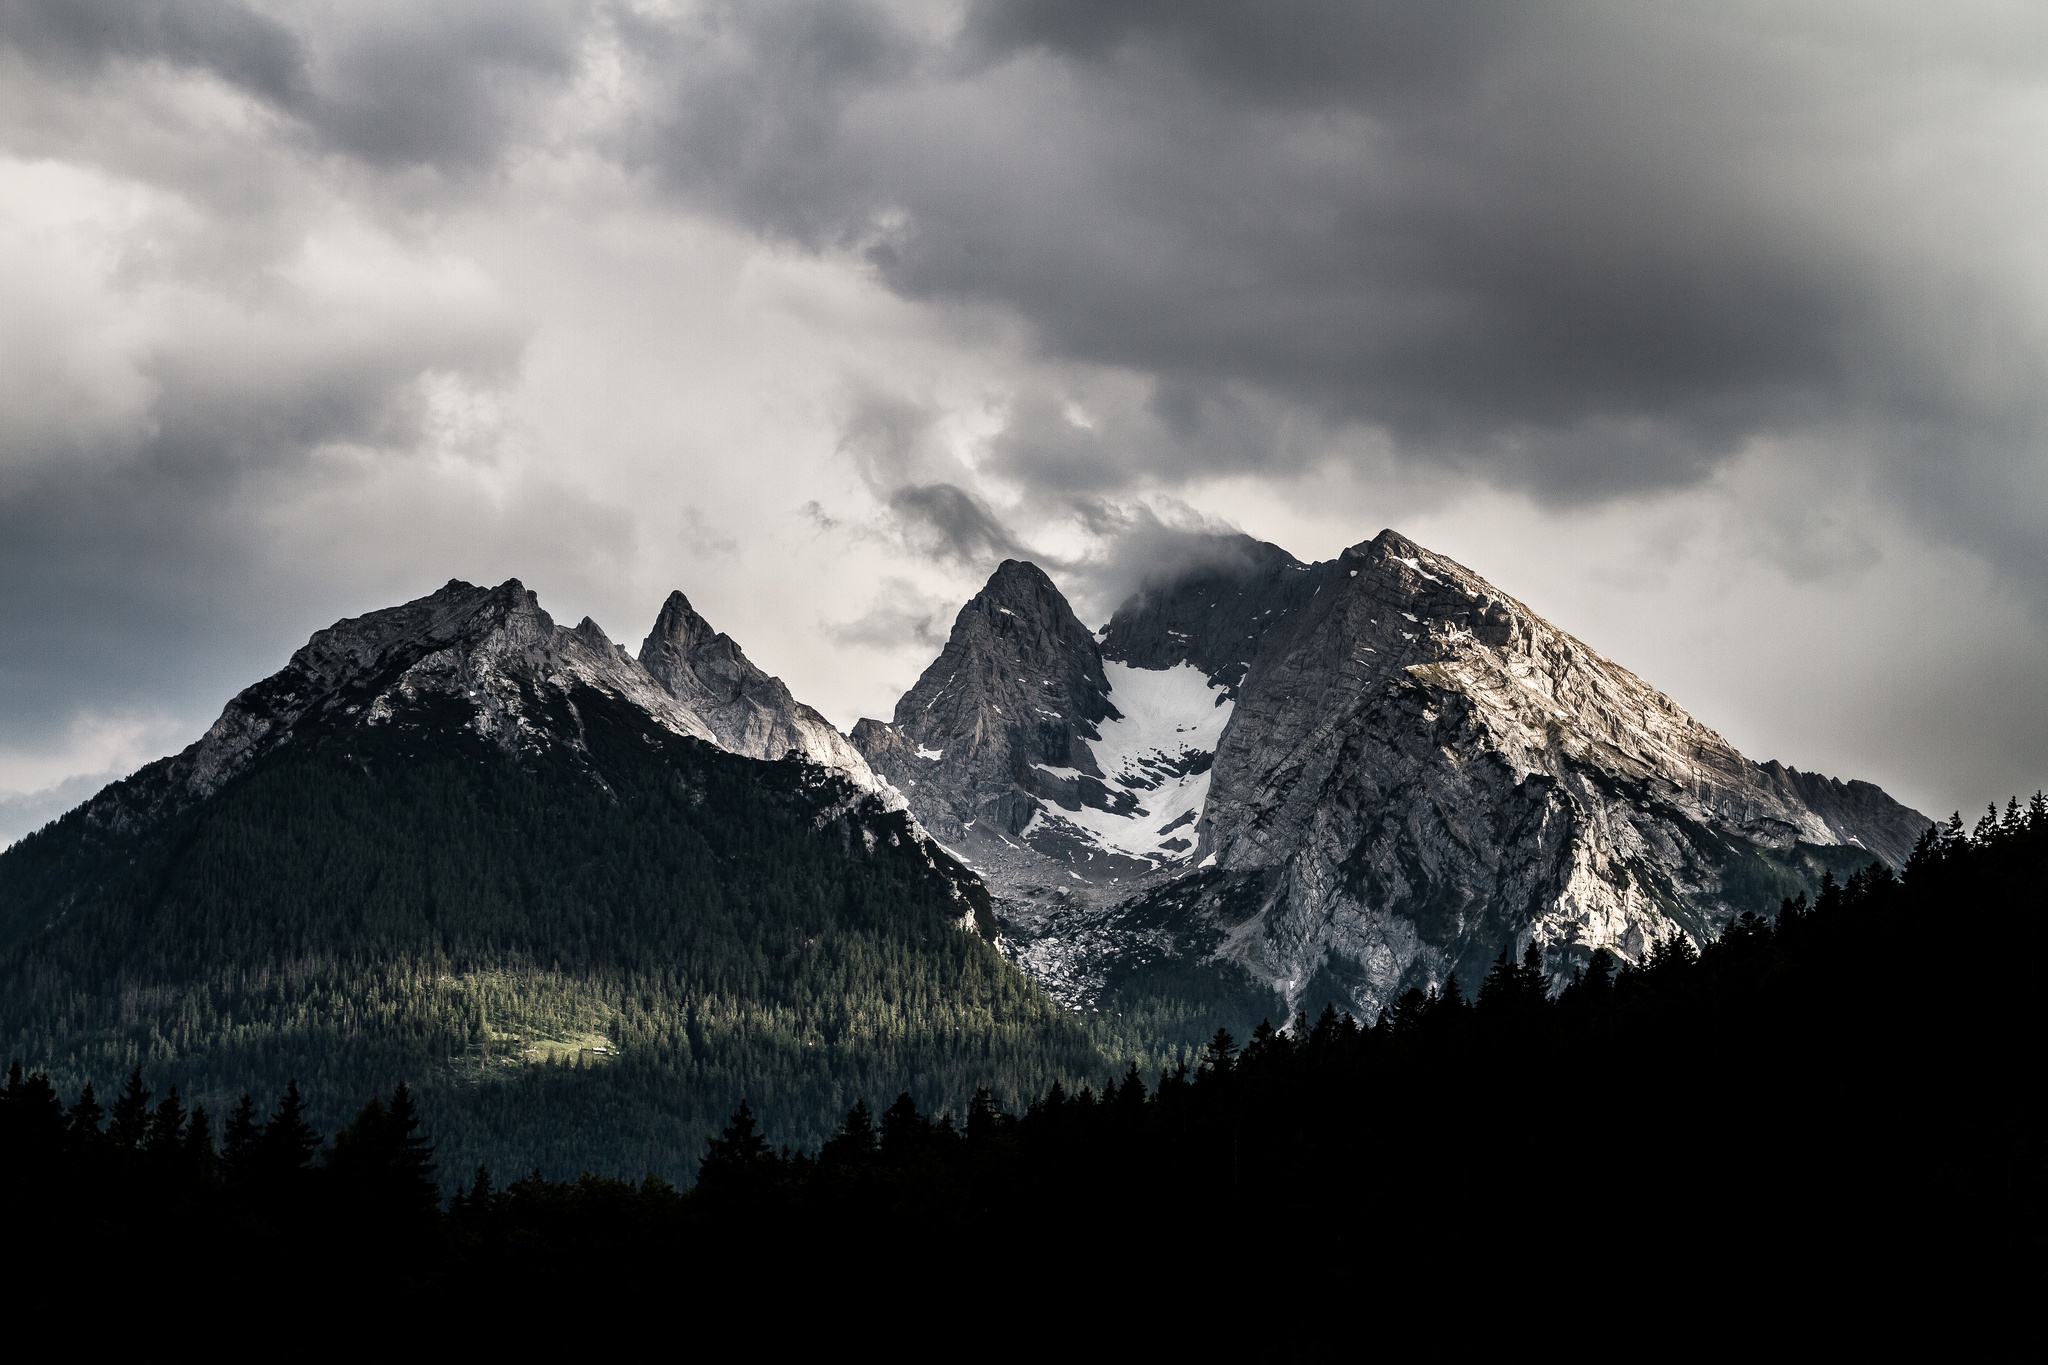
[933,754]
[1169,716]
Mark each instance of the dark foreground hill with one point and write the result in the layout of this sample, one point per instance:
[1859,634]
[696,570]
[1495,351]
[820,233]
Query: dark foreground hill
[1767,1128]
[458,846]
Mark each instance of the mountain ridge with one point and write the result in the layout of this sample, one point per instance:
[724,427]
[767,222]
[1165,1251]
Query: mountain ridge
[1415,770]
[474,644]
[457,844]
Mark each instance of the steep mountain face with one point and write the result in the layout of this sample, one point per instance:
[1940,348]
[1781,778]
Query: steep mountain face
[1005,723]
[491,649]
[457,844]
[1381,771]
[497,653]
[745,710]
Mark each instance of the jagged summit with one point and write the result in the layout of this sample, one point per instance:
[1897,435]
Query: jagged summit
[511,671]
[1005,720]
[745,709]
[492,649]
[1341,779]
[679,630]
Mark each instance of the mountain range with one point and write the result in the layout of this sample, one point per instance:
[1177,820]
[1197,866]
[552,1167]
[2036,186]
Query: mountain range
[457,843]
[1338,781]
[586,900]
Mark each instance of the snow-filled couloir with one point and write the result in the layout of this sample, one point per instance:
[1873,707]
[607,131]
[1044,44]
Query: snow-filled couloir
[1155,757]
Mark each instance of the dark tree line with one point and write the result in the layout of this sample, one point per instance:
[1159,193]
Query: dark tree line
[1841,1092]
[381,1160]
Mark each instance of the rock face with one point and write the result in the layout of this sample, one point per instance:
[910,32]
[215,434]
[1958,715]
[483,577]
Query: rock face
[1003,719]
[513,671]
[746,711]
[1340,780]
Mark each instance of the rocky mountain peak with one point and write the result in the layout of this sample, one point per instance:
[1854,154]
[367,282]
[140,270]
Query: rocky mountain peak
[1009,704]
[493,652]
[506,665]
[1341,779]
[1019,618]
[744,708]
[678,631]
[1019,746]
[1019,682]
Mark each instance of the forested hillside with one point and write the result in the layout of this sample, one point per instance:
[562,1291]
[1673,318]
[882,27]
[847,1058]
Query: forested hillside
[1762,1124]
[580,956]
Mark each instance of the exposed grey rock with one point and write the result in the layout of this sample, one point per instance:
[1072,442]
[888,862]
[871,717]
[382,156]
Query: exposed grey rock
[493,649]
[1416,772]
[999,727]
[1216,618]
[512,671]
[746,710]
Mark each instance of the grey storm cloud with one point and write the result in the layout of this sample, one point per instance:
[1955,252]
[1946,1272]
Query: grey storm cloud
[233,41]
[952,523]
[1583,250]
[114,556]
[449,84]
[892,442]
[899,616]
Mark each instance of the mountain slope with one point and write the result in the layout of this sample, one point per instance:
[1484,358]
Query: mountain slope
[1368,774]
[745,710]
[457,844]
[1004,721]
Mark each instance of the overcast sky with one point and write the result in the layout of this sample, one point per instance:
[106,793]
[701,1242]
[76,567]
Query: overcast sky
[1718,334]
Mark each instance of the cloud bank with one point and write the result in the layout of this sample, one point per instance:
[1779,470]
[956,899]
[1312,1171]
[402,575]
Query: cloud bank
[818,310]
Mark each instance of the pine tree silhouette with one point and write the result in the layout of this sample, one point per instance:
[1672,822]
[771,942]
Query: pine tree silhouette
[82,1121]
[128,1121]
[285,1149]
[854,1143]
[738,1162]
[241,1140]
[166,1135]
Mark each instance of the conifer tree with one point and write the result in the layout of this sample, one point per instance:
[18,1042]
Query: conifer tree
[855,1141]
[128,1121]
[412,1156]
[1265,1040]
[1497,990]
[198,1152]
[1599,978]
[286,1148]
[82,1121]
[738,1161]
[904,1131]
[1327,1027]
[1220,1055]
[1131,1095]
[166,1135]
[983,1116]
[31,1115]
[241,1139]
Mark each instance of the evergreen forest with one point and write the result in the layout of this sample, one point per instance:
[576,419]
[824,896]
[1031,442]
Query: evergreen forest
[579,958]
[1834,1095]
